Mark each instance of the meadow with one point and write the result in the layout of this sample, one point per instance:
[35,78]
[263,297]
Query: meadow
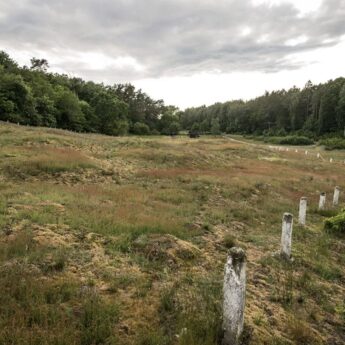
[123,240]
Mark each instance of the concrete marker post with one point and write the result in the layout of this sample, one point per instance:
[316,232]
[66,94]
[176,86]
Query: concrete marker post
[302,211]
[336,196]
[234,291]
[322,202]
[286,240]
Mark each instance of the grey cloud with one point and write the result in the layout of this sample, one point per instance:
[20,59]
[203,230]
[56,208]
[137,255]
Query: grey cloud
[169,37]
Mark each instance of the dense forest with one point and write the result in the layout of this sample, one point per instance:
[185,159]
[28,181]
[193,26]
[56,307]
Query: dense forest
[314,111]
[33,96]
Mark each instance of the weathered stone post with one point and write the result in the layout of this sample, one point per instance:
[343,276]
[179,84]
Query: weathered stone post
[318,155]
[234,291]
[322,202]
[306,152]
[331,160]
[336,196]
[302,211]
[286,235]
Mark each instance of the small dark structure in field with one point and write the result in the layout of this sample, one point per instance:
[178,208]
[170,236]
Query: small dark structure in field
[194,134]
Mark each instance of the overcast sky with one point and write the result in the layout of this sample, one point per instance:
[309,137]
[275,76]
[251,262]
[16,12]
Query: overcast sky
[187,52]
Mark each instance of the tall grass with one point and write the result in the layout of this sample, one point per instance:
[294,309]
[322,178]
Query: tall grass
[46,160]
[36,312]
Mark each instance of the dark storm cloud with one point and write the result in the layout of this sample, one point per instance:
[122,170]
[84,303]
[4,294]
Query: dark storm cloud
[168,37]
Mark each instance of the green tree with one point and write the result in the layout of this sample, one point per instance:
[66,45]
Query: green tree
[140,128]
[341,108]
[215,126]
[46,108]
[16,101]
[69,114]
[40,65]
[112,113]
[8,64]
[174,128]
[328,108]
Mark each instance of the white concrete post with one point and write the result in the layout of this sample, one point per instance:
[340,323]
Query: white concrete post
[286,235]
[302,211]
[322,202]
[336,196]
[296,151]
[234,292]
[306,152]
[331,160]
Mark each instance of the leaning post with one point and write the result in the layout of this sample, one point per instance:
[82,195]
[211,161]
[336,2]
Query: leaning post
[234,291]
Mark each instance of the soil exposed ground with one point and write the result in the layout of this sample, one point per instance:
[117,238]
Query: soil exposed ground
[109,240]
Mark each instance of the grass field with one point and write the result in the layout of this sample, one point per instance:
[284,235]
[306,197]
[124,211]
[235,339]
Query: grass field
[123,241]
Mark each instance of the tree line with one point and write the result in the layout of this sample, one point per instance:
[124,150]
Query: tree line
[33,96]
[313,111]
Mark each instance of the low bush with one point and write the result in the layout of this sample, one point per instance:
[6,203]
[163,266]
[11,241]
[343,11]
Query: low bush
[333,143]
[289,140]
[140,128]
[336,223]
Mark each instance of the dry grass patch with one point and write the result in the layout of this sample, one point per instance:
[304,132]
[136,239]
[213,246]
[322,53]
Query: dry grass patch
[33,161]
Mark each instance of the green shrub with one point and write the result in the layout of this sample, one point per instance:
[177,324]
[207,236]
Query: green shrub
[140,128]
[333,143]
[289,140]
[155,132]
[336,224]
